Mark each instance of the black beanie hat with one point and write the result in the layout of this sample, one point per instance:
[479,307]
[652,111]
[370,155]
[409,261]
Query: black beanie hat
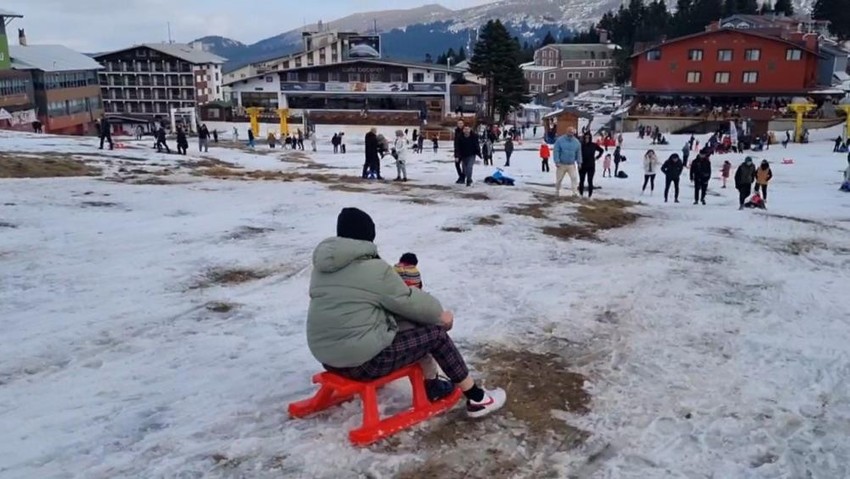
[355,224]
[409,258]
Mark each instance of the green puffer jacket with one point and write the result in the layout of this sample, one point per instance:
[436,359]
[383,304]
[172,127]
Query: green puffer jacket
[355,300]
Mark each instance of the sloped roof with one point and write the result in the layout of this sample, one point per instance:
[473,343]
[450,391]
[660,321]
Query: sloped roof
[177,50]
[380,61]
[751,33]
[582,51]
[50,58]
[9,14]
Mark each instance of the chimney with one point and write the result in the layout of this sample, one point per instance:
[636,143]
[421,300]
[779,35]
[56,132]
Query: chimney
[811,40]
[603,35]
[22,37]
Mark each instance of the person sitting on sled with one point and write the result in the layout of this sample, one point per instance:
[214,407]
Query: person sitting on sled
[755,201]
[356,303]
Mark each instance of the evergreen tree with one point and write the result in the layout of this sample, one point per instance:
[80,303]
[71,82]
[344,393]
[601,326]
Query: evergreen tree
[704,12]
[766,8]
[787,8]
[548,39]
[748,7]
[496,57]
[838,13]
[461,54]
[730,7]
[683,19]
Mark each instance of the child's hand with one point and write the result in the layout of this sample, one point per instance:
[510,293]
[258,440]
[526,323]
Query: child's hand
[447,320]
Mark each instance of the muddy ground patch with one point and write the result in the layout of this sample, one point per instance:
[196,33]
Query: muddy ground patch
[247,232]
[491,220]
[228,277]
[517,440]
[43,165]
[593,218]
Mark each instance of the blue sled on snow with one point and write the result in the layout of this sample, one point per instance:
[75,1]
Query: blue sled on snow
[499,178]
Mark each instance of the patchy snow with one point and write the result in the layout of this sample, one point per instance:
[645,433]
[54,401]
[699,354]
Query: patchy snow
[715,341]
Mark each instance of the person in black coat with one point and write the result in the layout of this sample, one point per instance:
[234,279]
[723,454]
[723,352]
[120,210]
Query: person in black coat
[161,140]
[182,141]
[700,175]
[745,175]
[467,148]
[672,169]
[618,157]
[590,153]
[509,150]
[104,132]
[458,159]
[373,161]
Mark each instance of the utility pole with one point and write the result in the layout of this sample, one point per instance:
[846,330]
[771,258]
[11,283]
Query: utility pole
[169,33]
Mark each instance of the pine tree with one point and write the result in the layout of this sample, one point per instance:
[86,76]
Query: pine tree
[766,8]
[748,7]
[787,8]
[548,39]
[730,7]
[461,54]
[838,13]
[496,57]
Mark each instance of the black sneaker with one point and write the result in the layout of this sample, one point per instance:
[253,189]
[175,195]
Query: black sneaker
[703,202]
[459,181]
[438,388]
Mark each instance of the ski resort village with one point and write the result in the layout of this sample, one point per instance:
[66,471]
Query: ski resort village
[516,239]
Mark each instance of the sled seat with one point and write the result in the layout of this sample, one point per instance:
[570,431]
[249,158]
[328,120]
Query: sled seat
[335,389]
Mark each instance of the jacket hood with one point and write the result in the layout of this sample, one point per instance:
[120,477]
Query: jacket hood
[334,254]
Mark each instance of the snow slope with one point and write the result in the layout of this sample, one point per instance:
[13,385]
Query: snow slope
[715,341]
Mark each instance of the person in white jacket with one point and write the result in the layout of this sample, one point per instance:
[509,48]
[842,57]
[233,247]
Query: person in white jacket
[650,169]
[399,152]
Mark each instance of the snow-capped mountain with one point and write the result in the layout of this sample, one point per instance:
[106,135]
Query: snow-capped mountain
[411,33]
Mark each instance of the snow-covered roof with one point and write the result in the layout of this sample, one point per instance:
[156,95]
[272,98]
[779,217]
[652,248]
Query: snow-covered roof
[182,51]
[50,58]
[9,14]
[536,68]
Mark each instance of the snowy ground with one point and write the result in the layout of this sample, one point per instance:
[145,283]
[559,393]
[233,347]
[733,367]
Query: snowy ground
[713,342]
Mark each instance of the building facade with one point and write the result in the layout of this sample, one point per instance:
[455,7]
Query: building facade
[355,85]
[728,62]
[318,48]
[66,95]
[568,67]
[17,111]
[146,82]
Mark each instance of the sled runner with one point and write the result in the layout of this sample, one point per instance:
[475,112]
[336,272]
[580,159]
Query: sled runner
[335,389]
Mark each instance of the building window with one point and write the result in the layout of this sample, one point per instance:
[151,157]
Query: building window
[724,55]
[396,77]
[589,74]
[333,76]
[313,76]
[653,55]
[695,55]
[751,77]
[418,78]
[552,76]
[602,74]
[439,78]
[721,77]
[269,79]
[354,77]
[533,87]
[291,76]
[375,77]
[752,55]
[694,77]
[793,54]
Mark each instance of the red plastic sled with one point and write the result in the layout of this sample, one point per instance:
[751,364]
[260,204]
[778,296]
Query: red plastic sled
[335,389]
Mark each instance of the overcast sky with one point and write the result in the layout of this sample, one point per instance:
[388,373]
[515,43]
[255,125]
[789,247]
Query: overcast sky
[100,25]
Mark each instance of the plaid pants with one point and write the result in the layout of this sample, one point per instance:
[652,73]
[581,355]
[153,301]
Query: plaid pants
[407,348]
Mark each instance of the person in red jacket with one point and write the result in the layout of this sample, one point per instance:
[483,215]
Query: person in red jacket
[545,153]
[725,171]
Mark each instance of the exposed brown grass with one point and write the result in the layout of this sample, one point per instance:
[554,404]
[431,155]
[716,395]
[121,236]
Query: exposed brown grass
[220,307]
[598,216]
[533,210]
[453,229]
[229,276]
[417,200]
[208,162]
[224,173]
[492,220]
[43,165]
[98,204]
[475,196]
[567,231]
[247,232]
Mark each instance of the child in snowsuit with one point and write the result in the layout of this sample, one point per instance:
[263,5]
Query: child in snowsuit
[544,157]
[725,171]
[407,269]
[606,165]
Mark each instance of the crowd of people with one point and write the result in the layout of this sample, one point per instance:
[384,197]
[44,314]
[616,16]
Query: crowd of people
[718,112]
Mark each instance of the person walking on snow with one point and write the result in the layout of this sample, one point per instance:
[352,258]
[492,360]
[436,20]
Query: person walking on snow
[650,169]
[725,171]
[700,176]
[509,150]
[458,159]
[372,163]
[182,141]
[544,157]
[313,141]
[618,158]
[590,153]
[686,152]
[567,159]
[250,138]
[467,149]
[838,143]
[161,140]
[203,139]
[745,175]
[606,166]
[763,176]
[846,185]
[103,131]
[399,152]
[672,169]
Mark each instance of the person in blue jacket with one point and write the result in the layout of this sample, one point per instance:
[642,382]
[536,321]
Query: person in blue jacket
[567,158]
